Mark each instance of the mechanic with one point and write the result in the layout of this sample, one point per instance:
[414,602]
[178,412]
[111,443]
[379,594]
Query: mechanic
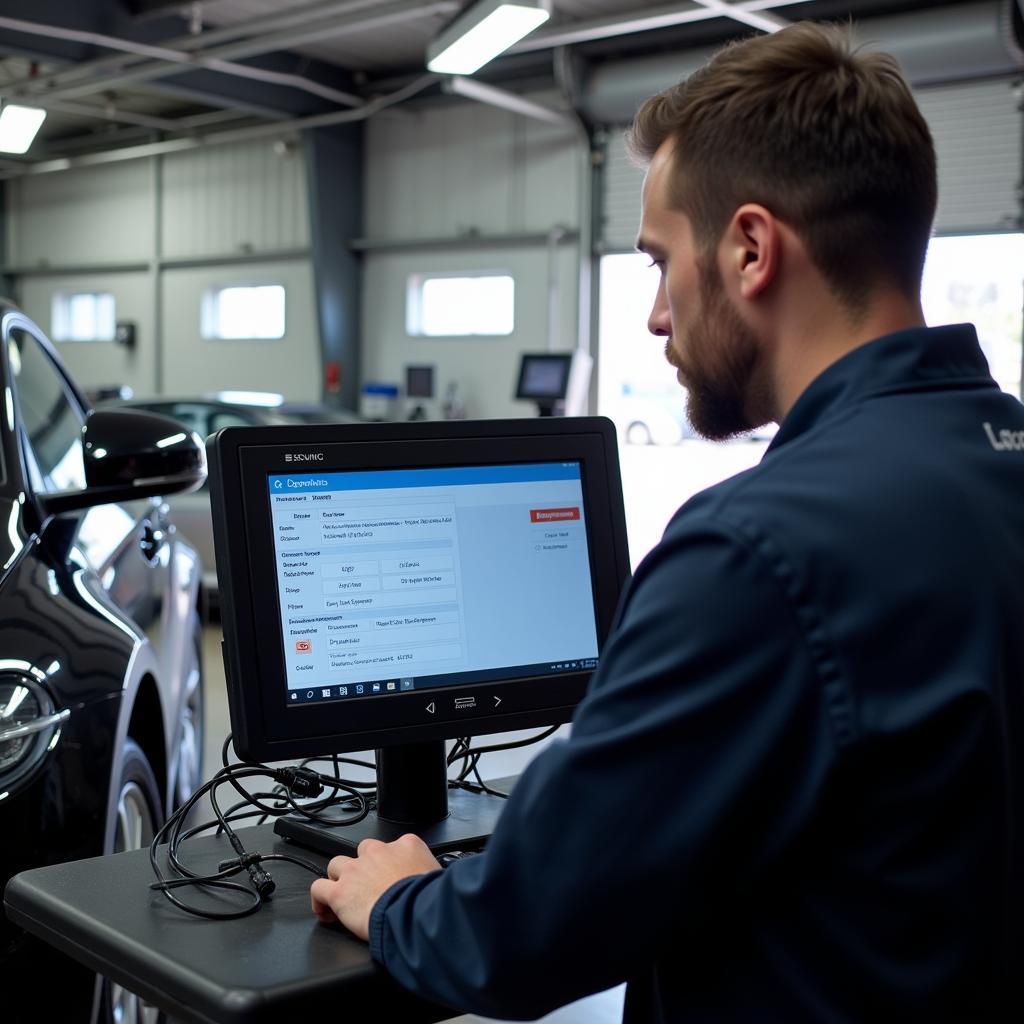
[795,789]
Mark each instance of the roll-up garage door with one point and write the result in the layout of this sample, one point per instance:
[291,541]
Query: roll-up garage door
[977,131]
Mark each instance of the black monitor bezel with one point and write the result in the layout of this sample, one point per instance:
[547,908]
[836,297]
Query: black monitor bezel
[563,359]
[241,459]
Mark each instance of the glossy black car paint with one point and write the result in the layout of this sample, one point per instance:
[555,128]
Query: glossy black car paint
[99,607]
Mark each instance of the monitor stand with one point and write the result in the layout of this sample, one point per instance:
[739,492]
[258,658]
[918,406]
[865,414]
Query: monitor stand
[412,796]
[550,407]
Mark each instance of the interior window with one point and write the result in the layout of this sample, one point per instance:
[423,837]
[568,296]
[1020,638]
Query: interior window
[458,305]
[243,311]
[83,316]
[50,417]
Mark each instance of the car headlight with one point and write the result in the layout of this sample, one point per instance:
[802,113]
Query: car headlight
[29,727]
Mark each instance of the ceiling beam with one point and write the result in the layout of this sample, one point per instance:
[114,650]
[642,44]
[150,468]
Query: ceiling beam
[165,61]
[763,20]
[183,55]
[250,27]
[640,21]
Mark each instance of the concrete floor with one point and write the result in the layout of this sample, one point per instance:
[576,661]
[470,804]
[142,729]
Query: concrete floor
[604,1008]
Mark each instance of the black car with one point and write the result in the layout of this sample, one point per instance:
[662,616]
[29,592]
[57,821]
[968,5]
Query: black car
[101,685]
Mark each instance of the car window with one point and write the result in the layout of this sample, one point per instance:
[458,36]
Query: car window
[50,417]
[188,414]
[230,418]
[204,418]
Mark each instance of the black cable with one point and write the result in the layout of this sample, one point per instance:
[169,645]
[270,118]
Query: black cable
[476,751]
[262,885]
[292,784]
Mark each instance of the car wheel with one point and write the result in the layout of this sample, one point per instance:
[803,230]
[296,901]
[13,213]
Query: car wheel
[638,433]
[189,773]
[138,818]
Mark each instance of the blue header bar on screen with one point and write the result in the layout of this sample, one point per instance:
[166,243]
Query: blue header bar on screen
[312,482]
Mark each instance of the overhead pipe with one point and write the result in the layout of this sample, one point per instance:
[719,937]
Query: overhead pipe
[471,88]
[170,61]
[112,113]
[263,131]
[268,23]
[763,20]
[650,20]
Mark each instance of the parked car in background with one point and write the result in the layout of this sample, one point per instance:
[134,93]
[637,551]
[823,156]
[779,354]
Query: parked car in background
[101,679]
[651,415]
[206,415]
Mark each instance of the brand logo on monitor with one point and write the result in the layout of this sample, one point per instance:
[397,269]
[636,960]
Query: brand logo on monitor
[304,457]
[303,646]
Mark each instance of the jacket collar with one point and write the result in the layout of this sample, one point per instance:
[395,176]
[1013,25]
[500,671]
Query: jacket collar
[910,360]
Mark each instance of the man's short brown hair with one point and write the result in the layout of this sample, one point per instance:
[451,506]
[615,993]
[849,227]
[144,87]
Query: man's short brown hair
[827,138]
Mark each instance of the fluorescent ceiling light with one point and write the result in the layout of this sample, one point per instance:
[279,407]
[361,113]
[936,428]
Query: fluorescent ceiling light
[480,33]
[18,127]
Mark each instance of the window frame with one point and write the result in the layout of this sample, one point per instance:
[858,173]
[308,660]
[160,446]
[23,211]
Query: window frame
[74,398]
[60,311]
[414,305]
[209,314]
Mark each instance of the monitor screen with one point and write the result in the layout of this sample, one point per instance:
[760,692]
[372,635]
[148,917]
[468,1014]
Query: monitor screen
[387,584]
[419,381]
[544,375]
[415,579]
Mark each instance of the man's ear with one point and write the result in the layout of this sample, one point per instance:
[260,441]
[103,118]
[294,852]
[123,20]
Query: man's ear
[751,248]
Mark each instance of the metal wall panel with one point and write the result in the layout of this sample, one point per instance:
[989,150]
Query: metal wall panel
[468,168]
[215,204]
[484,368]
[96,364]
[90,216]
[463,170]
[977,132]
[288,365]
[243,198]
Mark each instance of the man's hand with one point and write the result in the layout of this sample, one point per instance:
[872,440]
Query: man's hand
[354,884]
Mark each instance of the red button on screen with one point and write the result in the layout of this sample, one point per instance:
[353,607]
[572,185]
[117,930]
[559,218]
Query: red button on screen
[553,515]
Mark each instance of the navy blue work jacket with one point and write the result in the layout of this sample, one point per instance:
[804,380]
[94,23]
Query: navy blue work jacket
[795,789]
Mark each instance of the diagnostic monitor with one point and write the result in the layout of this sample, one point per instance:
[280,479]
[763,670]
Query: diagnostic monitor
[391,586]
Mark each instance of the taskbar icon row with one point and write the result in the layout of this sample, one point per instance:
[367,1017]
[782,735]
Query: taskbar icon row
[370,689]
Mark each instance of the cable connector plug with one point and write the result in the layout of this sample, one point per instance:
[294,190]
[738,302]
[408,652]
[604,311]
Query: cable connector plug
[261,879]
[301,781]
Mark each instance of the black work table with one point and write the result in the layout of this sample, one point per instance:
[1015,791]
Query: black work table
[274,965]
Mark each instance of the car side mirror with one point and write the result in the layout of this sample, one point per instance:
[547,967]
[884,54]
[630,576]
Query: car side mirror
[131,454]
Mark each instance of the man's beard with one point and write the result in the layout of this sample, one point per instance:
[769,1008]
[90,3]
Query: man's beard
[720,370]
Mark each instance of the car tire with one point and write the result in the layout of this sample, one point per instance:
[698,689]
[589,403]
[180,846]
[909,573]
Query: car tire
[139,815]
[189,772]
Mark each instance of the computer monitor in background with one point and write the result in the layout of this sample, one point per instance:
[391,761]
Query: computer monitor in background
[556,381]
[419,382]
[392,586]
[419,390]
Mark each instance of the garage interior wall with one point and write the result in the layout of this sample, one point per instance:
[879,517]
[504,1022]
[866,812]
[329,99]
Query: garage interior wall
[977,131]
[157,233]
[469,187]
